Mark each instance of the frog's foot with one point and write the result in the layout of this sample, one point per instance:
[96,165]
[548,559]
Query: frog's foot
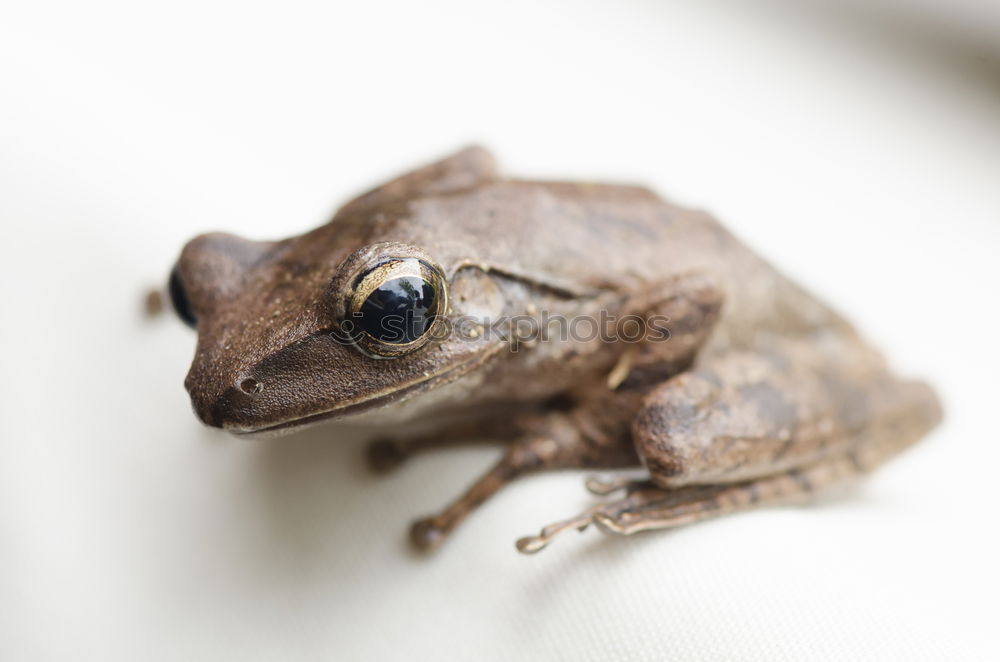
[647,506]
[634,499]
[639,493]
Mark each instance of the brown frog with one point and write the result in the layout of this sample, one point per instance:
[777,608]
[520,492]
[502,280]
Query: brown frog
[585,325]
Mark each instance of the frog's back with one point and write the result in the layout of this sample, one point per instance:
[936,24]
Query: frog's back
[587,237]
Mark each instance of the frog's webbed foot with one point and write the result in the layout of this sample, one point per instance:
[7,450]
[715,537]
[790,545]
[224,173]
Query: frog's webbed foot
[647,506]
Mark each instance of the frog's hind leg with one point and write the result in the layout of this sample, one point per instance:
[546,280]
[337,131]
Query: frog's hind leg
[746,416]
[749,430]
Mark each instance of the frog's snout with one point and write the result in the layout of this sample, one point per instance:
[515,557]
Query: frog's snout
[206,405]
[234,409]
[207,289]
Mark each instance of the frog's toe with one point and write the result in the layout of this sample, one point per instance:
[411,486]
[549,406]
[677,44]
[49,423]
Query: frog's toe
[602,486]
[427,533]
[384,455]
[533,544]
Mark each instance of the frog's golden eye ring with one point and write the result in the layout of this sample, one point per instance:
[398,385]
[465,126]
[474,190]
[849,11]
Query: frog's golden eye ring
[393,305]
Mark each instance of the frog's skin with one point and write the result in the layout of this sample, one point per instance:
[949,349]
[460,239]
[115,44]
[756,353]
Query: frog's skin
[761,394]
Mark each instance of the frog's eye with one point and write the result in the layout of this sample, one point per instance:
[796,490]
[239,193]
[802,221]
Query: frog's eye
[179,299]
[393,305]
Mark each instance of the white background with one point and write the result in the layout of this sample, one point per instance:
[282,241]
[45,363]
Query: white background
[857,147]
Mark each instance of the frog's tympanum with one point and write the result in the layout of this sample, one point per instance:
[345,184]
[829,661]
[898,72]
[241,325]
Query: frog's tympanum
[586,326]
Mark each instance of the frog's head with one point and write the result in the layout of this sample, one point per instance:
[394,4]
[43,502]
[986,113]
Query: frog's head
[335,321]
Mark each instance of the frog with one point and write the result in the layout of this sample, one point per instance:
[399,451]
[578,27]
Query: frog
[581,326]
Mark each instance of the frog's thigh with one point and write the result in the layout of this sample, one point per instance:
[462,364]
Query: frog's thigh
[748,415]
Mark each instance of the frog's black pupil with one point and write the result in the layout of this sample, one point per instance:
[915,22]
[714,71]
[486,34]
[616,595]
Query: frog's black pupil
[178,297]
[400,310]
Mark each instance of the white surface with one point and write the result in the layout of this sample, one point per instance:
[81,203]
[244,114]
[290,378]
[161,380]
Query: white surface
[866,167]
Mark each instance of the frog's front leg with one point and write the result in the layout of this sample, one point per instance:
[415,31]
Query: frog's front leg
[572,438]
[751,429]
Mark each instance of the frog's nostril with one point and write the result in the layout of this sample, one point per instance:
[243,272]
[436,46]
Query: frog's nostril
[251,386]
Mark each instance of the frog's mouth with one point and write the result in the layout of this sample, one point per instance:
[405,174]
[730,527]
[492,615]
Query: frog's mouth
[360,404]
